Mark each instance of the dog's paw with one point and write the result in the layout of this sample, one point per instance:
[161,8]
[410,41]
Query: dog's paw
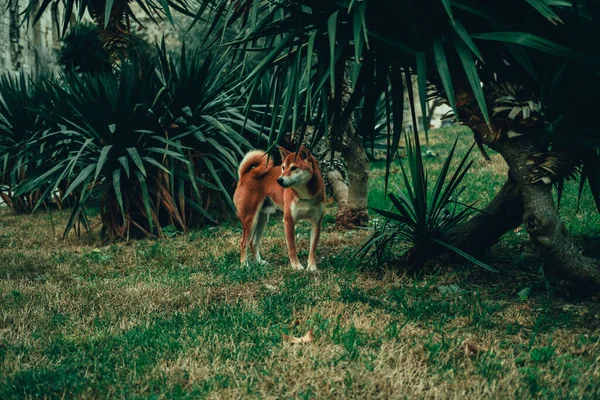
[298,267]
[261,262]
[311,268]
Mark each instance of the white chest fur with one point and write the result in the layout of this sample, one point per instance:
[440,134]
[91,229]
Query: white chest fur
[307,209]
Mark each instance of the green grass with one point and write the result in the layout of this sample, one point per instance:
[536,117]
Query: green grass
[180,318]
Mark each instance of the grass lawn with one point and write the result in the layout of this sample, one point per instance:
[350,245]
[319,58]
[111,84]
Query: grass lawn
[180,318]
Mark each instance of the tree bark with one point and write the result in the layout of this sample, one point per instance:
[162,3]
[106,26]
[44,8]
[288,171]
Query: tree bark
[542,221]
[114,35]
[482,230]
[354,212]
[533,182]
[338,187]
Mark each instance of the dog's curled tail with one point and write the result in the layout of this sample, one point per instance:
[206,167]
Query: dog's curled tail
[255,160]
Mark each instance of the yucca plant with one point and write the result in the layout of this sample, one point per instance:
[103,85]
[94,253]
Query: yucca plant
[204,118]
[422,216]
[152,145]
[19,123]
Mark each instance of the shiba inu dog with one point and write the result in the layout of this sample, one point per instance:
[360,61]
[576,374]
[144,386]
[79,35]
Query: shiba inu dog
[297,189]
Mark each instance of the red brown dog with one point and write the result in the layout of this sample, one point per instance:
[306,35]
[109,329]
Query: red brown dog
[298,190]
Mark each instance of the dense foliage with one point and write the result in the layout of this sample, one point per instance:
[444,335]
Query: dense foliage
[83,51]
[19,124]
[543,54]
[155,144]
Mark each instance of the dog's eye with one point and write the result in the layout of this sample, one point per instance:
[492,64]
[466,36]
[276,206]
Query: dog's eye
[294,168]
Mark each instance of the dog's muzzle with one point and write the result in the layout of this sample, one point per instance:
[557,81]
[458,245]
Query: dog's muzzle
[281,182]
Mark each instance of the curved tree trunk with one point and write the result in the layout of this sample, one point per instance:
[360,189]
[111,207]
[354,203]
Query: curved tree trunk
[521,201]
[351,197]
[528,192]
[482,230]
[541,218]
[433,105]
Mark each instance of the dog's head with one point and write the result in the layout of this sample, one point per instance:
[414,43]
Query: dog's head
[296,168]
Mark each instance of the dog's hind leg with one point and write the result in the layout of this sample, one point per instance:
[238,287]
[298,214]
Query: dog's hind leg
[248,229]
[267,208]
[251,239]
[261,223]
[246,239]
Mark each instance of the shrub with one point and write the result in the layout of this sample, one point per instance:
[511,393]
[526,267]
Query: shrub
[153,144]
[421,217]
[19,124]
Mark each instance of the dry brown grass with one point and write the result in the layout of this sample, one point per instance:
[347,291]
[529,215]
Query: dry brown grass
[378,333]
[180,318]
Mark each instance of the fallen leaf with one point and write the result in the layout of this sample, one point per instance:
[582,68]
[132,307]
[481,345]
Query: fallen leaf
[271,288]
[521,307]
[518,229]
[309,337]
[471,349]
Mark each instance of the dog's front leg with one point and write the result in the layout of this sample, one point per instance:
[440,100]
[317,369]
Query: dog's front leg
[290,237]
[314,239]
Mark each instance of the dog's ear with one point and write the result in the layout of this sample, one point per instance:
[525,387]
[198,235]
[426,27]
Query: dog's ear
[283,152]
[303,153]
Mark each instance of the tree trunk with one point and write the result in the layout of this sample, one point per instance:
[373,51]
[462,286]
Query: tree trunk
[531,169]
[542,220]
[434,104]
[352,198]
[114,35]
[354,212]
[338,187]
[477,234]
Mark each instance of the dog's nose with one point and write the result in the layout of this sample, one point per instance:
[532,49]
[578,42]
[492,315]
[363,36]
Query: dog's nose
[280,181]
